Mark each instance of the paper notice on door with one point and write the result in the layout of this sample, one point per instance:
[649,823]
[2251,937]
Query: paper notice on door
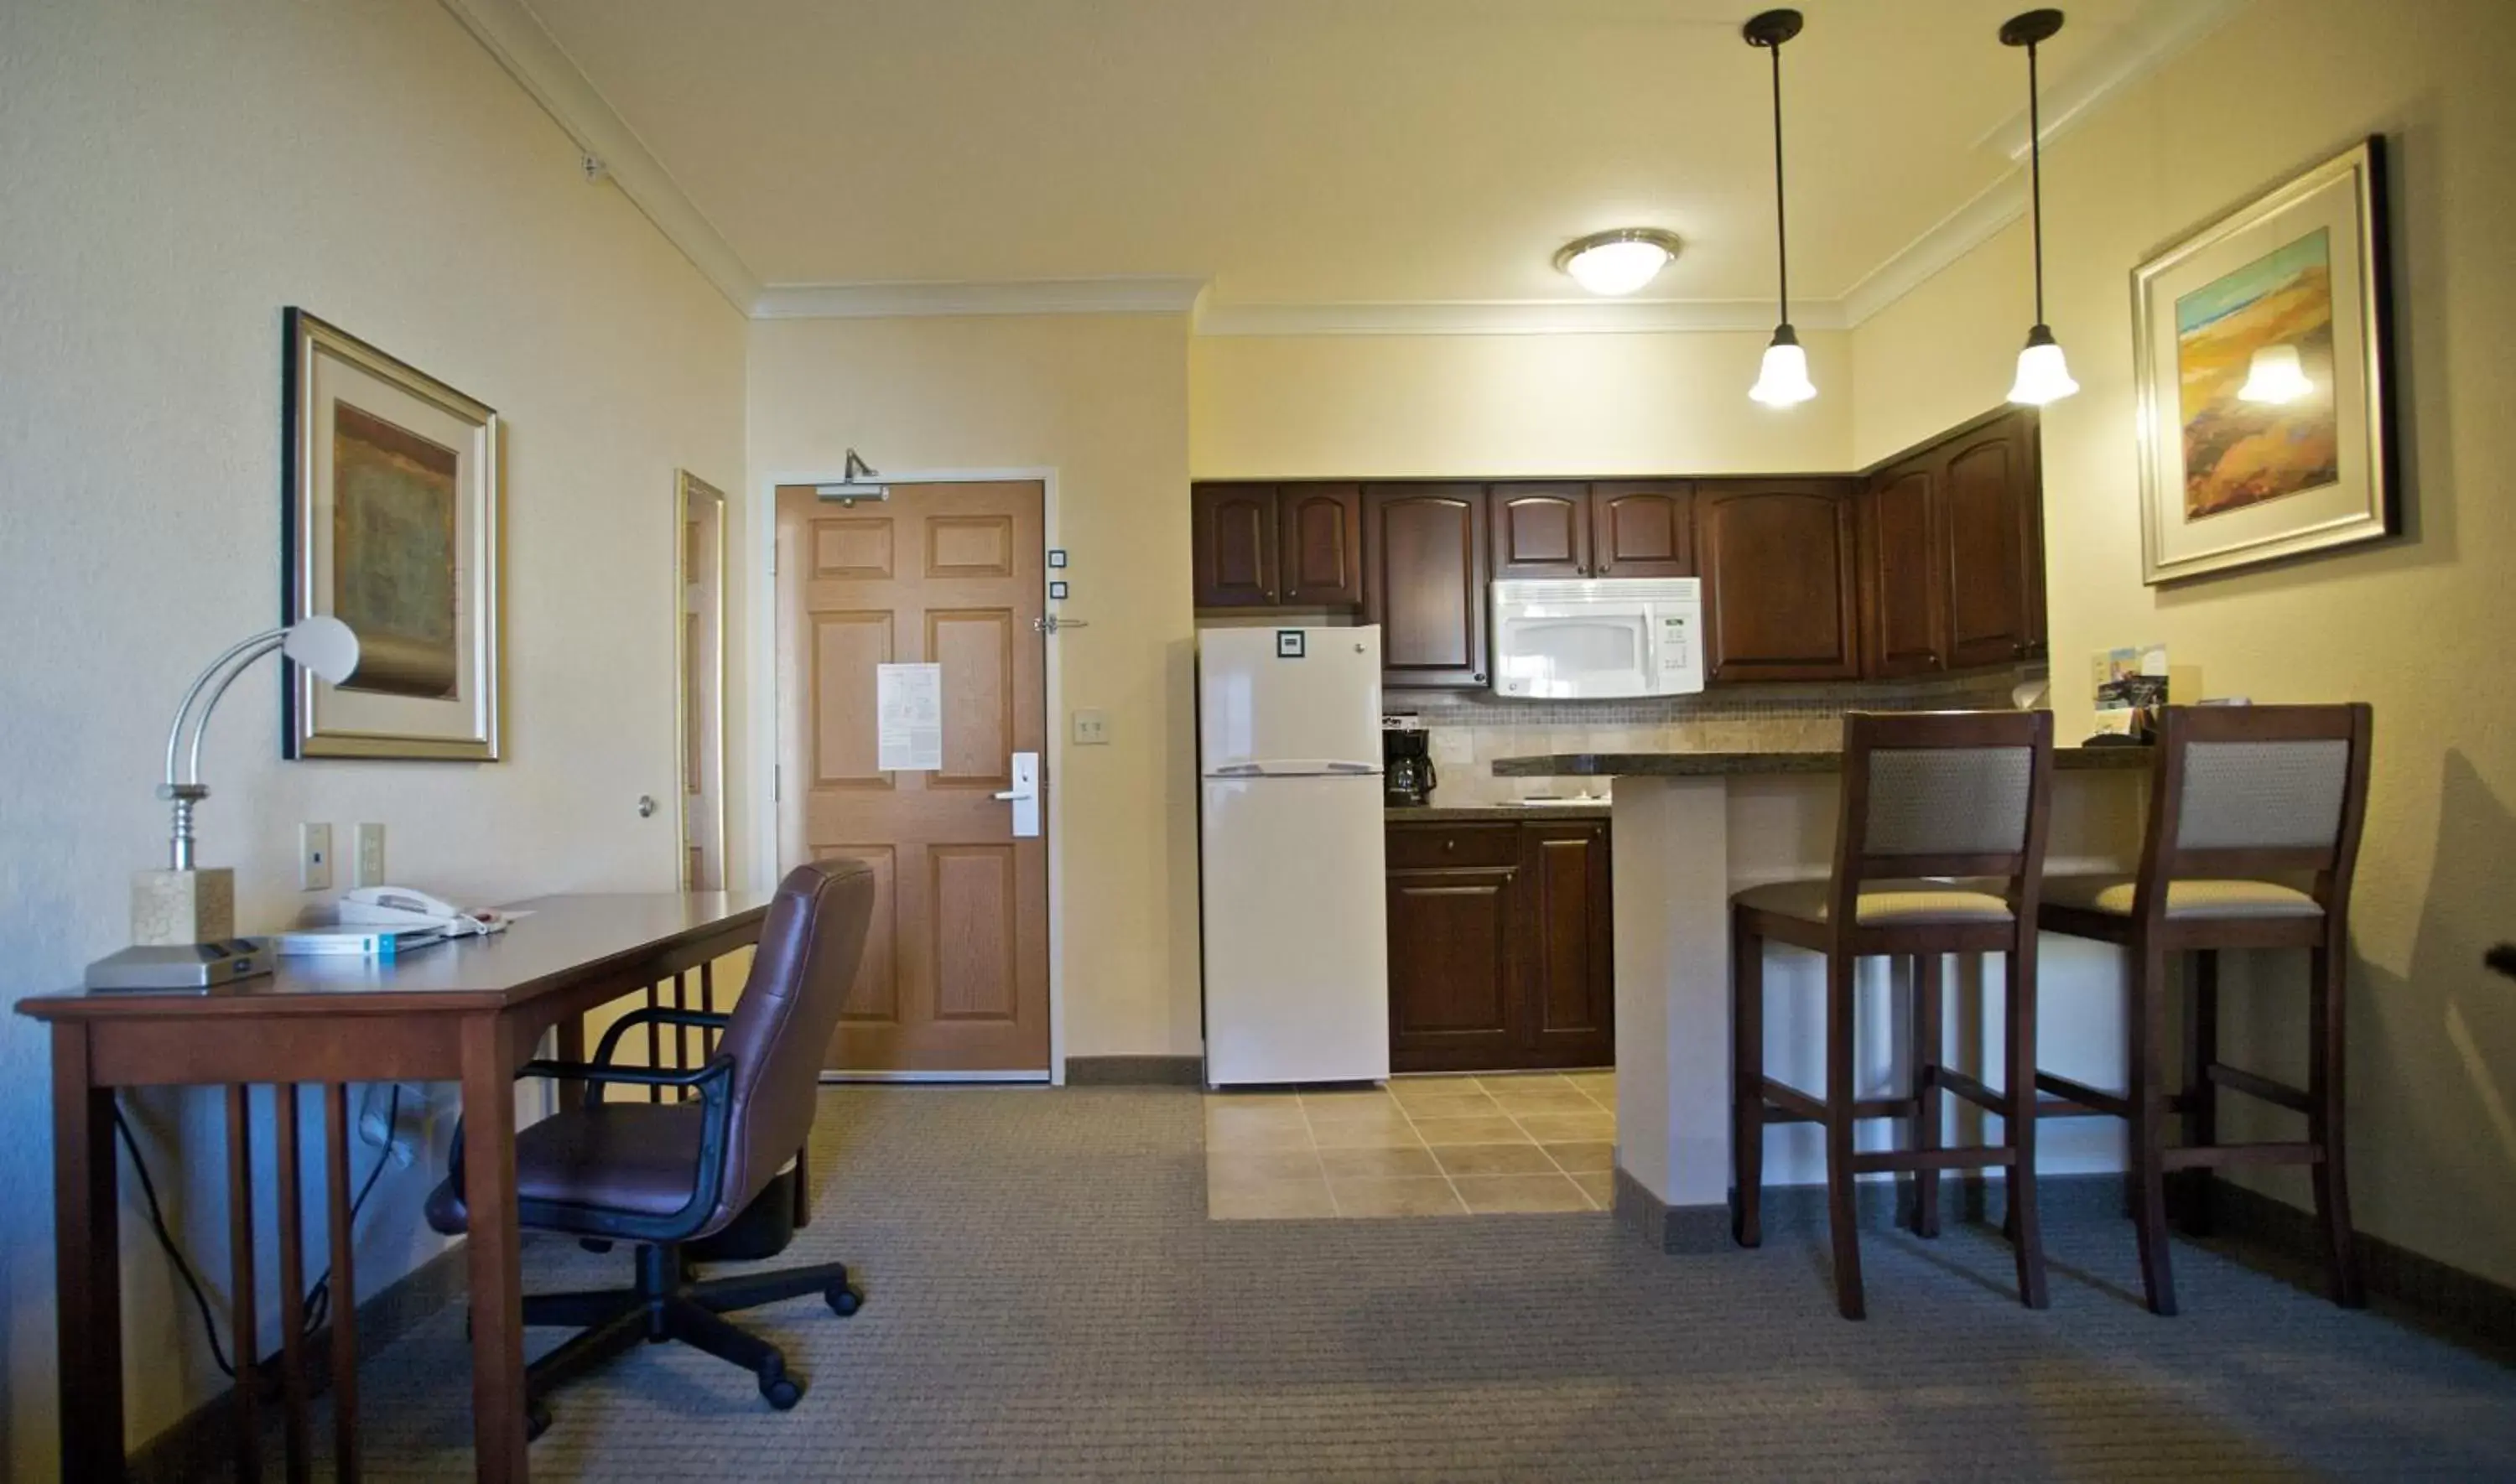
[908,700]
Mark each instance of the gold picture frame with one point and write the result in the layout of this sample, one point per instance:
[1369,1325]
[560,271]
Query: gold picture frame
[390,523]
[2260,354]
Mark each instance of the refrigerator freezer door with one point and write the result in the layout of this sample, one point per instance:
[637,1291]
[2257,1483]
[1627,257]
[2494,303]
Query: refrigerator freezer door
[1270,696]
[1296,932]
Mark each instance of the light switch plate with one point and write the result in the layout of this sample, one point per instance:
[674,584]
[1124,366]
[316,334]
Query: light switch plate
[1091,729]
[368,870]
[314,857]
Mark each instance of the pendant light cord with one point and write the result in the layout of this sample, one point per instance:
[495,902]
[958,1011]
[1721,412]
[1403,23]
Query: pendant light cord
[1781,238]
[2034,178]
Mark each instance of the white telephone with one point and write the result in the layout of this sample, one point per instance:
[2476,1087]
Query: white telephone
[409,907]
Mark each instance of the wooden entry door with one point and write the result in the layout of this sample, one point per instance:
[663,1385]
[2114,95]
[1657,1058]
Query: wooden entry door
[956,973]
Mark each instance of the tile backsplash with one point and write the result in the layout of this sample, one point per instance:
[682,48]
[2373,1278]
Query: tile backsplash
[1471,729]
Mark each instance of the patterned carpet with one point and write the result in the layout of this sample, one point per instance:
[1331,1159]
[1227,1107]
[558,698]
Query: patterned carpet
[1044,1298]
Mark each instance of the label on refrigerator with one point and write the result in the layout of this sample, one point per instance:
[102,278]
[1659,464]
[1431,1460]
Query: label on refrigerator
[908,704]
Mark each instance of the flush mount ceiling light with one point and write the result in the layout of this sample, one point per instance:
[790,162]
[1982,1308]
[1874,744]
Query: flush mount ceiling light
[1617,261]
[2275,374]
[2043,374]
[1784,380]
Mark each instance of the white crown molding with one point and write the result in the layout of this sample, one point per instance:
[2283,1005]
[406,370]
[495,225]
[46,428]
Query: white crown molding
[1143,294]
[514,35]
[1951,238]
[1599,316]
[2161,31]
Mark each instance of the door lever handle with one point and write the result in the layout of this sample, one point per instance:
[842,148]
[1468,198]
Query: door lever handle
[1024,796]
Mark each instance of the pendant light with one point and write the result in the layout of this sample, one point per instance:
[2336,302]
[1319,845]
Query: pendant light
[2042,374]
[1783,379]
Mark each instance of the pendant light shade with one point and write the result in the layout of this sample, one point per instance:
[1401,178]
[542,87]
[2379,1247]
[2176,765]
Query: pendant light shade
[2043,376]
[2275,375]
[1784,379]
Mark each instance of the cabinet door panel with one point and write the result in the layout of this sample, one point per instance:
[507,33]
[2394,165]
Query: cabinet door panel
[1452,979]
[1320,555]
[1776,559]
[1234,530]
[1903,582]
[1641,529]
[1988,505]
[1541,530]
[1570,950]
[1424,582]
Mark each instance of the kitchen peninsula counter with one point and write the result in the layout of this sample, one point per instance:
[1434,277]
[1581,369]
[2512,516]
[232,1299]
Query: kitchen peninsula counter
[1692,828]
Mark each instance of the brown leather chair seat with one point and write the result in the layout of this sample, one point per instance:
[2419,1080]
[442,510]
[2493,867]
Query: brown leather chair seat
[623,1156]
[1882,904]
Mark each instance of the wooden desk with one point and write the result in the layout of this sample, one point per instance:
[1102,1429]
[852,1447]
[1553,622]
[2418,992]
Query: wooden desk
[472,1011]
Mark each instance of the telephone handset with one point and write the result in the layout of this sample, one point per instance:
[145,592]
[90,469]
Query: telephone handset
[410,907]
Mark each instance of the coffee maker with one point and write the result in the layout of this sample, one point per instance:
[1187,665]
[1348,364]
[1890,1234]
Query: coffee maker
[1406,771]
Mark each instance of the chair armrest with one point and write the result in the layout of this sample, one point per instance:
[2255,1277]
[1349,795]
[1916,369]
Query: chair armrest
[656,1015]
[636,1076]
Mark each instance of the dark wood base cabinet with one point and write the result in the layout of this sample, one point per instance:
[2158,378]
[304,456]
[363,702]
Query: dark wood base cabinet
[1500,947]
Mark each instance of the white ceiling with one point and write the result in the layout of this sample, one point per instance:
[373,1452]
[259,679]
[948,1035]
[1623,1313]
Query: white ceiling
[1306,153]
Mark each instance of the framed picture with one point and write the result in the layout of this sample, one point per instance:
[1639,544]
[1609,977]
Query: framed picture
[391,483]
[2259,350]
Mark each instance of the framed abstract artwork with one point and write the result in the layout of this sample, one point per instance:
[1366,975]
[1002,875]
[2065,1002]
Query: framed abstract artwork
[2259,351]
[391,484]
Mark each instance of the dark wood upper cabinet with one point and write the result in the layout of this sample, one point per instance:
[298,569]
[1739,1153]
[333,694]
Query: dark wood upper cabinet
[1320,556]
[1541,530]
[1953,552]
[1642,528]
[1903,629]
[1424,582]
[1993,509]
[1234,530]
[1778,593]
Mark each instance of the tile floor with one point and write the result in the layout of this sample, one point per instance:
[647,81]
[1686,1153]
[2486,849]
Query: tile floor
[1517,1143]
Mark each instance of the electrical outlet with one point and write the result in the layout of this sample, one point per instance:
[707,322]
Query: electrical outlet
[314,857]
[368,870]
[1091,729]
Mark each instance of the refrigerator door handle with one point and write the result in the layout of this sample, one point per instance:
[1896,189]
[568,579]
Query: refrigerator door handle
[1295,767]
[1024,796]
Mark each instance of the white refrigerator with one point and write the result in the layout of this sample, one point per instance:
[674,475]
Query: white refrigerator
[1289,815]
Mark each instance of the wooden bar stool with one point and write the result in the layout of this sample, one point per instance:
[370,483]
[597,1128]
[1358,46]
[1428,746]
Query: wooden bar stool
[2239,796]
[1925,795]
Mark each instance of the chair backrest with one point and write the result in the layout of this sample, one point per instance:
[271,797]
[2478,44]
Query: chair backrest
[809,950]
[1945,792]
[2252,789]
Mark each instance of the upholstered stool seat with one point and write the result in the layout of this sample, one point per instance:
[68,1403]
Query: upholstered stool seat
[2191,899]
[1886,903]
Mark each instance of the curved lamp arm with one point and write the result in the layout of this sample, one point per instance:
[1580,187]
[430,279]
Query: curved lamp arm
[321,644]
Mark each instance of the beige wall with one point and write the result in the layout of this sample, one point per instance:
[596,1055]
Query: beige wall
[1399,405]
[2418,627]
[1102,401]
[174,174]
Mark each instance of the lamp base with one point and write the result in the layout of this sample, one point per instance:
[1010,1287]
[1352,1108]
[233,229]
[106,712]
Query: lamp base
[174,908]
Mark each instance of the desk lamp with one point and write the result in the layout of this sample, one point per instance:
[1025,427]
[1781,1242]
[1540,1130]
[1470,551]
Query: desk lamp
[183,918]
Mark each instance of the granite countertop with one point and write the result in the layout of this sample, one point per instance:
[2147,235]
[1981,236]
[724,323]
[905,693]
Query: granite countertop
[1462,814]
[1702,765]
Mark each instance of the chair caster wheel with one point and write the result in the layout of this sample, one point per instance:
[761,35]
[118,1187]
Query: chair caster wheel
[843,1300]
[537,1420]
[783,1392]
[594,1244]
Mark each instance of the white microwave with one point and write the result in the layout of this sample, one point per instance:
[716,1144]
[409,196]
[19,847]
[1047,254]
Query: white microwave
[1598,640]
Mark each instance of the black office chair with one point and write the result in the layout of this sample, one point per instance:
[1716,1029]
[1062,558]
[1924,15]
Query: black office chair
[663,1174]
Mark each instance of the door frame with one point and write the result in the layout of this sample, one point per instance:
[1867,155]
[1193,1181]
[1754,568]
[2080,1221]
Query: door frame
[760,712]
